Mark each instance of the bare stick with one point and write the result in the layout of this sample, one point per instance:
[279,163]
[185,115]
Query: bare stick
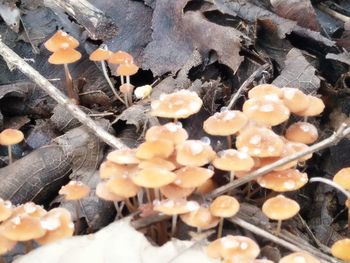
[245,84]
[331,183]
[332,140]
[12,58]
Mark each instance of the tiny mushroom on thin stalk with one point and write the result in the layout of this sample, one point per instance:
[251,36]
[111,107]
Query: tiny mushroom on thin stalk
[302,132]
[127,69]
[265,90]
[301,256]
[9,137]
[295,100]
[280,208]
[103,192]
[315,107]
[341,249]
[200,218]
[119,58]
[224,206]
[75,191]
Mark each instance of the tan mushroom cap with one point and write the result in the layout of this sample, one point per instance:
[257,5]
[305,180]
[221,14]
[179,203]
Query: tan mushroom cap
[22,228]
[303,132]
[157,162]
[156,148]
[179,105]
[233,160]
[123,187]
[299,147]
[194,153]
[6,245]
[268,110]
[341,249]
[126,88]
[127,69]
[11,137]
[120,57]
[170,131]
[342,178]
[301,256]
[262,261]
[207,187]
[123,156]
[64,56]
[200,218]
[187,177]
[175,206]
[295,100]
[61,40]
[315,108]
[153,177]
[280,208]
[174,191]
[6,209]
[58,225]
[233,248]
[225,123]
[224,206]
[74,190]
[263,90]
[283,181]
[30,209]
[260,142]
[109,169]
[103,192]
[100,54]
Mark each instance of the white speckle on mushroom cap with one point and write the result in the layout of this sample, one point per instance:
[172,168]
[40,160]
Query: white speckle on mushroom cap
[172,127]
[272,97]
[194,105]
[229,243]
[304,127]
[65,45]
[64,34]
[271,149]
[205,140]
[16,220]
[178,181]
[299,259]
[162,96]
[256,151]
[29,208]
[244,149]
[243,245]
[8,204]
[155,104]
[255,140]
[242,155]
[192,206]
[169,203]
[267,108]
[289,93]
[196,147]
[181,112]
[229,115]
[50,223]
[289,184]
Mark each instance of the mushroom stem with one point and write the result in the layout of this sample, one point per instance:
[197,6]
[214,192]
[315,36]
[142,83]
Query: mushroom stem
[199,230]
[229,142]
[9,150]
[126,99]
[129,205]
[278,229]
[129,94]
[122,80]
[348,218]
[119,209]
[232,176]
[104,70]
[77,214]
[221,225]
[149,197]
[173,225]
[69,85]
[157,194]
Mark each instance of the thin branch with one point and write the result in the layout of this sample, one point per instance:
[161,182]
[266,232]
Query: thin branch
[331,183]
[12,58]
[246,83]
[332,140]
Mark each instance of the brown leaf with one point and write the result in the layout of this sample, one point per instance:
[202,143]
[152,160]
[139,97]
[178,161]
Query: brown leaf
[300,11]
[298,73]
[177,34]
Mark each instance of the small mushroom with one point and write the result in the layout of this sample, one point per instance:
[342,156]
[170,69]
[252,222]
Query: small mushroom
[194,153]
[9,137]
[265,90]
[280,208]
[6,245]
[301,256]
[302,132]
[6,209]
[170,131]
[188,177]
[341,249]
[342,178]
[128,69]
[123,156]
[315,107]
[200,218]
[173,191]
[119,58]
[155,148]
[109,169]
[60,40]
[295,100]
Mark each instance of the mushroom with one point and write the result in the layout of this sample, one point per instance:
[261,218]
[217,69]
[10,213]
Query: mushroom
[315,107]
[60,40]
[157,162]
[194,153]
[155,148]
[123,156]
[118,58]
[341,249]
[170,131]
[188,177]
[173,191]
[200,218]
[143,92]
[6,209]
[224,206]
[9,137]
[295,100]
[103,192]
[302,132]
[127,69]
[75,191]
[101,55]
[265,90]
[6,245]
[225,123]
[342,178]
[109,169]
[301,256]
[280,208]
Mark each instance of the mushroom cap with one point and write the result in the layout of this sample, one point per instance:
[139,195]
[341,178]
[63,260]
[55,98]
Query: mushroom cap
[143,92]
[175,206]
[299,147]
[6,245]
[157,162]
[303,132]
[30,209]
[61,40]
[153,177]
[11,137]
[260,142]
[6,209]
[120,57]
[268,110]
[58,225]
[74,190]
[22,228]
[123,156]
[194,153]
[109,169]
[64,56]
[126,88]
[123,187]
[224,206]
[342,178]
[156,148]
[127,69]
[100,54]
[295,100]
[316,107]
[188,177]
[233,160]
[225,123]
[103,192]
[341,249]
[301,256]
[180,104]
[207,187]
[170,131]
[174,191]
[283,181]
[200,218]
[263,90]
[280,208]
